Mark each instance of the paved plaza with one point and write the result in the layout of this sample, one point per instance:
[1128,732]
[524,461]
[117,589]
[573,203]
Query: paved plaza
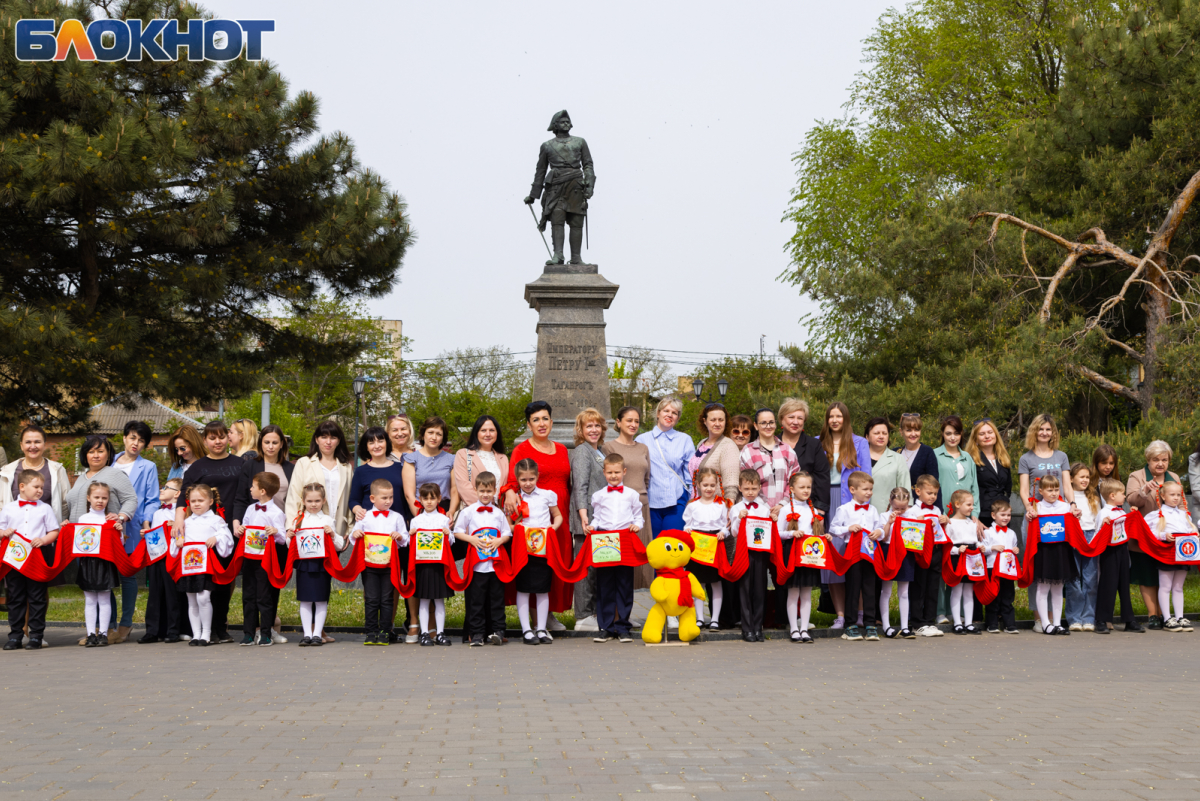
[985,717]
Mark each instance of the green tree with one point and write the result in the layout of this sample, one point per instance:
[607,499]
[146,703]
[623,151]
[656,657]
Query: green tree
[147,209]
[461,385]
[638,376]
[754,383]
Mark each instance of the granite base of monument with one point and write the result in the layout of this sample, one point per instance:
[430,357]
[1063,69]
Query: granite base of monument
[571,370]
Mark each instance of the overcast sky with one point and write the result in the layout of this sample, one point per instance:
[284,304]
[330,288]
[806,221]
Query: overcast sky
[692,112]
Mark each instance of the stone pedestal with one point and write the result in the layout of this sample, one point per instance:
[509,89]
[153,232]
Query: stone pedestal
[571,371]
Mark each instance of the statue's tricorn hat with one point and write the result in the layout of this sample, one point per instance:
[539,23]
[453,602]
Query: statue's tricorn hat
[554,120]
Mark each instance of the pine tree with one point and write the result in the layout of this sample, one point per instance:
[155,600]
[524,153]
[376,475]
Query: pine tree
[147,209]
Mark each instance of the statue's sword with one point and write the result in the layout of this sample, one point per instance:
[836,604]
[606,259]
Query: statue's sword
[540,232]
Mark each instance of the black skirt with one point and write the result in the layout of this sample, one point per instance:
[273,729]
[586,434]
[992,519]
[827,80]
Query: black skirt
[312,586]
[1053,562]
[201,582]
[804,576]
[535,576]
[431,582]
[97,575]
[908,568]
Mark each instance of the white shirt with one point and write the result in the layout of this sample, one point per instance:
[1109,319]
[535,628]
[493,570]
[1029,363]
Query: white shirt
[539,502]
[755,508]
[1087,518]
[617,511]
[961,533]
[126,468]
[1178,522]
[471,520]
[846,516]
[163,515]
[433,521]
[321,520]
[1109,512]
[1059,507]
[30,522]
[931,514]
[198,528]
[332,483]
[805,523]
[270,517]
[707,516]
[995,541]
[388,523]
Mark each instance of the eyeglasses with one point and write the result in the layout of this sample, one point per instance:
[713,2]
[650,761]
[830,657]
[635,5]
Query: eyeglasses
[910,416]
[767,424]
[182,448]
[740,432]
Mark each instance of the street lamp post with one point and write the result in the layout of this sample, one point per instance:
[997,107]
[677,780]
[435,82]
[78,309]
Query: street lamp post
[698,388]
[360,384]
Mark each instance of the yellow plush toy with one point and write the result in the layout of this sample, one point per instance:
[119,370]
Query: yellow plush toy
[675,590]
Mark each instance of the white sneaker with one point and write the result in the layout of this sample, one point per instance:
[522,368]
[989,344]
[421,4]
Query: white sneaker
[942,619]
[587,624]
[554,624]
[838,623]
[1077,627]
[1089,627]
[672,622]
[277,638]
[185,637]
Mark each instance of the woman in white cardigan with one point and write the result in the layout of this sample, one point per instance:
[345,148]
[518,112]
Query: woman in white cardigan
[33,449]
[328,464]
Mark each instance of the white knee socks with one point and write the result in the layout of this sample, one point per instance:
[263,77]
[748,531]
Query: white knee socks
[1050,603]
[97,607]
[523,610]
[903,601]
[1170,590]
[543,610]
[718,595]
[885,604]
[542,599]
[956,601]
[804,596]
[312,617]
[439,612]
[200,613]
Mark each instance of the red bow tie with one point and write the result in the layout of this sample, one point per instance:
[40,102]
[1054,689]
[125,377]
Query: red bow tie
[752,505]
[260,507]
[861,507]
[618,488]
[926,505]
[485,509]
[28,503]
[379,513]
[167,506]
[1001,529]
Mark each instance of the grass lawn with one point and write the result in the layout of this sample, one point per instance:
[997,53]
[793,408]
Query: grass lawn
[346,607]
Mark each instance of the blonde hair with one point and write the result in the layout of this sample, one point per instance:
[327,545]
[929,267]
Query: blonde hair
[589,415]
[1159,446]
[1031,432]
[666,402]
[1109,486]
[957,496]
[249,433]
[790,405]
[858,478]
[973,445]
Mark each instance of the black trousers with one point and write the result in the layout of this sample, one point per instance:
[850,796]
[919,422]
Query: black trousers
[861,578]
[259,597]
[24,591]
[162,602]
[1000,611]
[752,590]
[923,593]
[614,598]
[1114,580]
[484,600]
[377,600]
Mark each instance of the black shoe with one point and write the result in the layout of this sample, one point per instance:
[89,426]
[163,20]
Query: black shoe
[1136,627]
[1102,629]
[425,639]
[529,638]
[247,639]
[223,637]
[908,634]
[202,643]
[1062,631]
[148,638]
[34,644]
[102,640]
[317,641]
[972,630]
[959,629]
[477,641]
[92,641]
[442,639]
[173,639]
[495,639]
[544,637]
[14,644]
[1155,623]
[748,636]
[305,642]
[393,638]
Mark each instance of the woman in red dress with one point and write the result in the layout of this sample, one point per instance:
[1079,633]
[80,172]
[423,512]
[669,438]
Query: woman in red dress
[554,474]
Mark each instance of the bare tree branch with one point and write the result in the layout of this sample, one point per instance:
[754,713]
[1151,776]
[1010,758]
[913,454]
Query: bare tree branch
[1105,384]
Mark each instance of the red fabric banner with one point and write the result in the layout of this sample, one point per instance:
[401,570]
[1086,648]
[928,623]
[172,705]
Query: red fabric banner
[280,575]
[1075,538]
[1138,530]
[110,548]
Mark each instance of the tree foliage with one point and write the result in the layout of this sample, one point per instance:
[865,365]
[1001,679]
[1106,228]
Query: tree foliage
[147,209]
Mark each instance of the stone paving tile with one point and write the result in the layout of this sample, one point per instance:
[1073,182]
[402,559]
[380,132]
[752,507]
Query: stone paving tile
[987,718]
